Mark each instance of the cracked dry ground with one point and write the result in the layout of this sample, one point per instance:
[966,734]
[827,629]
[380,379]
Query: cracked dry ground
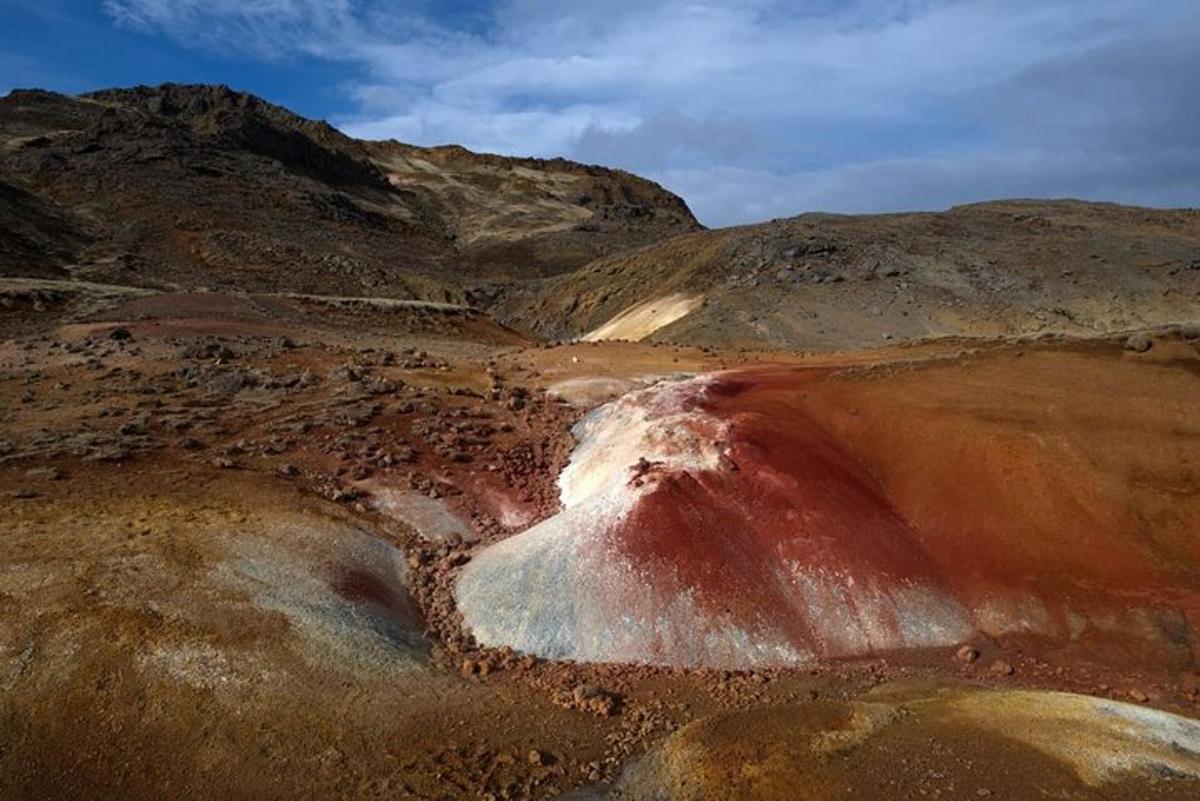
[231,533]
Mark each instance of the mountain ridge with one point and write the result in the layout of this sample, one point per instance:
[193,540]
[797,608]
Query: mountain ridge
[202,187]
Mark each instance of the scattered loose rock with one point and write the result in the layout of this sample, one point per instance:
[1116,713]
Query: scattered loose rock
[1139,343]
[1001,668]
[967,654]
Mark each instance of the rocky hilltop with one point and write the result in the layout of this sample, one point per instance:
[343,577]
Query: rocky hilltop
[202,187]
[827,281]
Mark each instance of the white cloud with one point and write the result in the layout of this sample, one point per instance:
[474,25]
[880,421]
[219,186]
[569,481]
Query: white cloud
[742,196]
[535,132]
[873,104]
[266,28]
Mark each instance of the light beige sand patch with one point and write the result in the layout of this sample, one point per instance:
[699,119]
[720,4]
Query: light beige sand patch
[640,321]
[1101,740]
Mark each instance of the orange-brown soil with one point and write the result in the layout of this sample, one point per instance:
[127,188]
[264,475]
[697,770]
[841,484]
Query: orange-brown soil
[200,595]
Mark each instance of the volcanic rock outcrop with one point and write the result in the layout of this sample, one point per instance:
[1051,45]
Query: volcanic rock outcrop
[189,187]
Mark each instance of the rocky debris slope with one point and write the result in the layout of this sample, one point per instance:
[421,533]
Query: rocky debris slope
[37,234]
[821,281]
[516,219]
[203,187]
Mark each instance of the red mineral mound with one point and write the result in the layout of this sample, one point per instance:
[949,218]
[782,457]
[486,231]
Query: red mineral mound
[771,516]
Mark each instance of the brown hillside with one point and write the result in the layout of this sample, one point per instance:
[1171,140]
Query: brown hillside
[829,281]
[201,187]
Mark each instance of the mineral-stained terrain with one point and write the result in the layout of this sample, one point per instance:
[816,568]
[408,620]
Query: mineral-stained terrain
[336,469]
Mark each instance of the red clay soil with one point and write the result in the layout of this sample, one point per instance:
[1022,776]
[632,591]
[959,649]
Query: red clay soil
[864,511]
[1070,478]
[790,495]
[1016,484]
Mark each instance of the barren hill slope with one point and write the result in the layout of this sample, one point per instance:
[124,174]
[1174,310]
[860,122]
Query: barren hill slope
[832,281]
[188,187]
[184,188]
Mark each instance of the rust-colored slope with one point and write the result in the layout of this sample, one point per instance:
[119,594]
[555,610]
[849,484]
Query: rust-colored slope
[1070,477]
[785,514]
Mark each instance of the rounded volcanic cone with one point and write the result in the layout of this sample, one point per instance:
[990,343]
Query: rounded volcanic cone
[712,522]
[688,538]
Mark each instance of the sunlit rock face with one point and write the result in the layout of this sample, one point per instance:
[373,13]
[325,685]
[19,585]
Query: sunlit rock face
[711,522]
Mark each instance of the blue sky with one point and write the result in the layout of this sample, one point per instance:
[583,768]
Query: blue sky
[750,109]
